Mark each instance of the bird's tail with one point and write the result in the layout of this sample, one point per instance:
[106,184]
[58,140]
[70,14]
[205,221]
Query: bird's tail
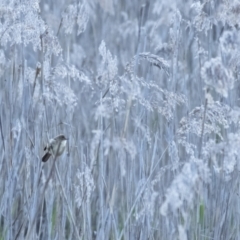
[46,157]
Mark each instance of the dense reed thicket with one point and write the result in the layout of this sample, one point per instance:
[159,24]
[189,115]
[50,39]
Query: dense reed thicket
[147,93]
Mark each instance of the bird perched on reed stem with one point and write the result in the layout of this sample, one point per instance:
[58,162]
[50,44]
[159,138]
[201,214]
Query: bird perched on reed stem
[55,147]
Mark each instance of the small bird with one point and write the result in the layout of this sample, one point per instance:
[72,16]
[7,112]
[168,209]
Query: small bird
[55,147]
